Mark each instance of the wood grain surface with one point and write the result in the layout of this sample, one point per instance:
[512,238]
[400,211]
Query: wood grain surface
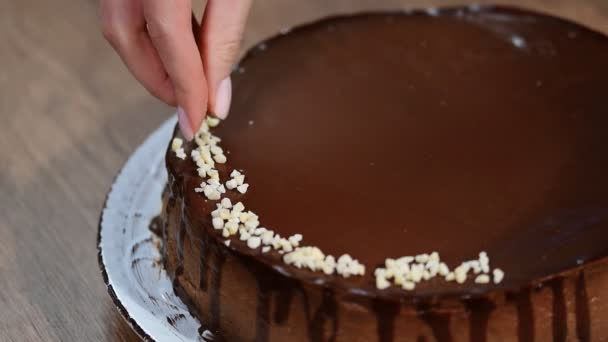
[71,115]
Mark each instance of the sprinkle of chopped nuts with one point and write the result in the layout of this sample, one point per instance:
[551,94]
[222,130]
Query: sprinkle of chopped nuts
[408,270]
[239,207]
[254,242]
[382,283]
[218,223]
[180,153]
[242,188]
[498,275]
[176,144]
[212,122]
[226,203]
[408,285]
[232,219]
[420,258]
[482,279]
[240,179]
[220,158]
[231,184]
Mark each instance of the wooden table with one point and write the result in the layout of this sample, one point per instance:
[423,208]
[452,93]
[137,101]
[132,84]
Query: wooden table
[71,115]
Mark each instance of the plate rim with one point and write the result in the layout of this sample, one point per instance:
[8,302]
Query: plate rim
[124,313]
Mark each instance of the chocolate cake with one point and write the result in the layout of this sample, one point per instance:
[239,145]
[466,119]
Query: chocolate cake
[431,175]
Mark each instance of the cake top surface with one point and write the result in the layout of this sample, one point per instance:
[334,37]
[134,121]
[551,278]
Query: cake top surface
[386,135]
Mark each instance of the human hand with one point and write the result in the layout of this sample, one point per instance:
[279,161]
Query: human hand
[191,70]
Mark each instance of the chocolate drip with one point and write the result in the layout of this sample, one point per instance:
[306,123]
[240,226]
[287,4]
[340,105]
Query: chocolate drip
[438,322]
[559,319]
[479,311]
[181,235]
[179,242]
[385,317]
[525,314]
[214,291]
[172,320]
[283,301]
[264,294]
[583,321]
[327,311]
[156,226]
[204,263]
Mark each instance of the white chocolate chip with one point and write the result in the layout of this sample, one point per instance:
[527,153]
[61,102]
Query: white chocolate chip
[242,188]
[416,273]
[227,242]
[498,275]
[215,195]
[231,184]
[220,158]
[232,227]
[434,257]
[226,203]
[216,150]
[180,154]
[382,283]
[239,207]
[295,239]
[408,285]
[224,214]
[421,258]
[482,279]
[176,144]
[252,224]
[460,276]
[267,237]
[240,179]
[218,223]
[243,217]
[213,174]
[212,122]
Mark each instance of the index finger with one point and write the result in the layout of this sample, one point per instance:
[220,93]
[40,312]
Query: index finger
[170,28]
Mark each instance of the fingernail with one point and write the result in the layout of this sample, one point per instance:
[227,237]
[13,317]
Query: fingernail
[184,124]
[222,98]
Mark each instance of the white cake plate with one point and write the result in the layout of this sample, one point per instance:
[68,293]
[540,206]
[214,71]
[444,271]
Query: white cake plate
[128,252]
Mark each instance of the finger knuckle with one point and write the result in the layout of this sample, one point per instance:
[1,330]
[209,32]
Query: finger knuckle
[226,50]
[111,32]
[158,29]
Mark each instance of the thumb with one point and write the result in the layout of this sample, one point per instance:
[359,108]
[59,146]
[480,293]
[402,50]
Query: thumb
[220,37]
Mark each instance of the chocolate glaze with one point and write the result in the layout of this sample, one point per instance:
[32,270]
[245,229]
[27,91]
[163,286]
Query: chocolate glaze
[385,135]
[441,131]
[156,226]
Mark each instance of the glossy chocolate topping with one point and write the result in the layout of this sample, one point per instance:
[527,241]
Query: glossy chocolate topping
[385,135]
[388,135]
